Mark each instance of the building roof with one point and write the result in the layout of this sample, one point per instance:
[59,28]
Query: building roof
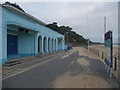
[9,7]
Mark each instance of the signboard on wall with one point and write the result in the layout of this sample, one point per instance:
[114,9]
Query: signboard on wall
[108,48]
[59,40]
[23,30]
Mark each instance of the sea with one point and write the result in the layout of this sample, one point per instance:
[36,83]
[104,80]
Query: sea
[116,45]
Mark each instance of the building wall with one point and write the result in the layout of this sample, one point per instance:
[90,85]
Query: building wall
[28,44]
[0,34]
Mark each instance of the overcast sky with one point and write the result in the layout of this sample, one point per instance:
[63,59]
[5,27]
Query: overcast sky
[74,14]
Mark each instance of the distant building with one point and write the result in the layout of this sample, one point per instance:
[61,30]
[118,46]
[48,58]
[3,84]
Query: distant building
[23,35]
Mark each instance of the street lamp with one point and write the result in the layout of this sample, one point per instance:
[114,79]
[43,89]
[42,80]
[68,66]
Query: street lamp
[88,44]
[88,30]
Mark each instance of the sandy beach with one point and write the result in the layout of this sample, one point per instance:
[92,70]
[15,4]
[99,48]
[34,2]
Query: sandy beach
[80,81]
[101,48]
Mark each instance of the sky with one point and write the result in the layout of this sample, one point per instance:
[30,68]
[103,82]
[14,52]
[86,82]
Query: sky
[84,17]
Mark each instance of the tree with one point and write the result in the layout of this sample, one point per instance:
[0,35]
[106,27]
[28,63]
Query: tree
[14,5]
[71,36]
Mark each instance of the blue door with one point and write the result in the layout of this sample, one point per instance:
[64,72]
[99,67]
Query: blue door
[11,44]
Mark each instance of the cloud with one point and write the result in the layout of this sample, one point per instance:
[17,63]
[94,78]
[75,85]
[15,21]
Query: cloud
[74,14]
[61,0]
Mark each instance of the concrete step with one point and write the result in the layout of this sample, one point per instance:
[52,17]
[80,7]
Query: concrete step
[21,60]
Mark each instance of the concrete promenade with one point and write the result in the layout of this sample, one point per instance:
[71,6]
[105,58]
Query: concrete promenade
[76,68]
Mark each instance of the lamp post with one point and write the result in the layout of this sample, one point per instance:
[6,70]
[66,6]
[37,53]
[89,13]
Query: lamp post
[66,37]
[88,31]
[88,44]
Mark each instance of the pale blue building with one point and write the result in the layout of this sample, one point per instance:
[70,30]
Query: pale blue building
[23,35]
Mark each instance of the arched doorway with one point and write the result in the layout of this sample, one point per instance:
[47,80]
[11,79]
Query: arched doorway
[48,44]
[55,45]
[45,44]
[52,44]
[59,43]
[39,44]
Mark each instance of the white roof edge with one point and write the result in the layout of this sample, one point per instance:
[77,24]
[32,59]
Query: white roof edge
[24,13]
[28,15]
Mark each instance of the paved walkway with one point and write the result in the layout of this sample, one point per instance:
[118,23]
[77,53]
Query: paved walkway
[75,69]
[86,71]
